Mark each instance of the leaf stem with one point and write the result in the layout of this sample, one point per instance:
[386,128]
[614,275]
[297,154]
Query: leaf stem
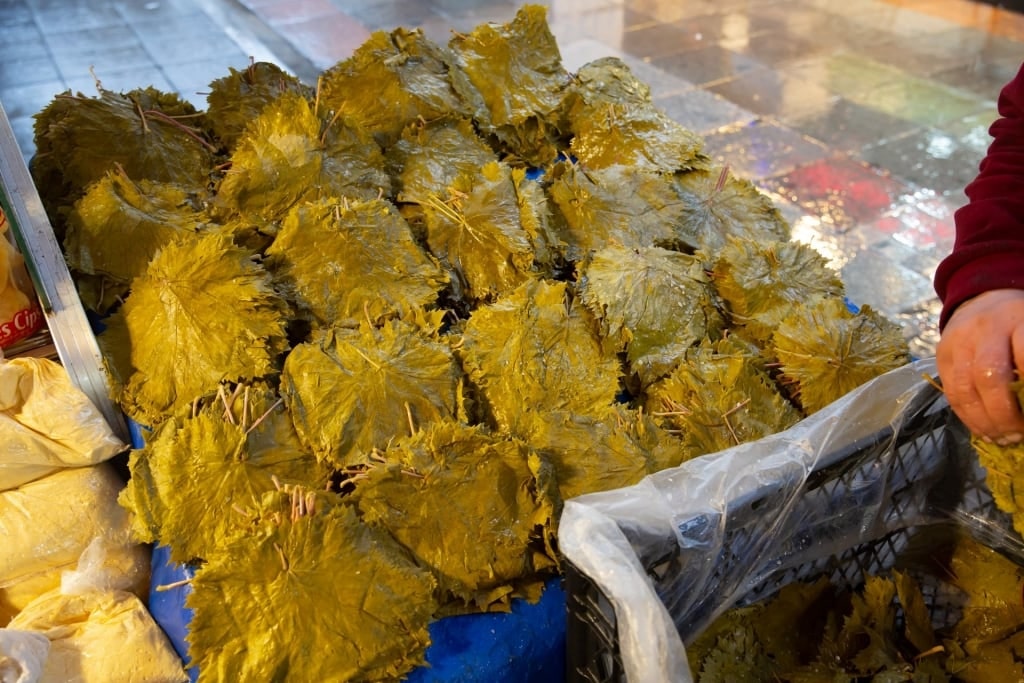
[227,406]
[722,177]
[171,586]
[264,417]
[142,116]
[408,415]
[170,120]
[367,359]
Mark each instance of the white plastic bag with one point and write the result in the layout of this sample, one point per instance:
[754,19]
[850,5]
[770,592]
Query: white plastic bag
[22,655]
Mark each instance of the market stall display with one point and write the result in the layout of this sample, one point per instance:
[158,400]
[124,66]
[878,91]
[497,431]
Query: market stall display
[374,343]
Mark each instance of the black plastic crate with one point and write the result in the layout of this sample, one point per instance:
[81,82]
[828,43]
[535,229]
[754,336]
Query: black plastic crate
[924,470]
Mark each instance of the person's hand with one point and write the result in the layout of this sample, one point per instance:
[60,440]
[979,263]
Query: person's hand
[981,351]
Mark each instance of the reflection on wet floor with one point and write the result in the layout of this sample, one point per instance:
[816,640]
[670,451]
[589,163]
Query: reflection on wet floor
[862,119]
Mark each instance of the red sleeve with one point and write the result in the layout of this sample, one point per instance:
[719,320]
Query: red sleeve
[989,248]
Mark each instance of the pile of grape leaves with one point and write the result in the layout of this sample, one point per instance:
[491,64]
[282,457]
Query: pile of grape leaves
[381,328]
[949,610]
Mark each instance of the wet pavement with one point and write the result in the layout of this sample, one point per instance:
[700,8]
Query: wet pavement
[863,119]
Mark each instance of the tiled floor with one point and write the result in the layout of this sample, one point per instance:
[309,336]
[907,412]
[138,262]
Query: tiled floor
[863,119]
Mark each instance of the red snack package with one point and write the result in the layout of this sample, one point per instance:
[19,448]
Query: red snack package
[20,314]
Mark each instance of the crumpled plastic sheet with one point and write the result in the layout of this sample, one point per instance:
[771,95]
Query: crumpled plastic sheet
[25,653]
[676,520]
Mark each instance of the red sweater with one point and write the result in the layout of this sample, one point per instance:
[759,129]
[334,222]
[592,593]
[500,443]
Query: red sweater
[989,248]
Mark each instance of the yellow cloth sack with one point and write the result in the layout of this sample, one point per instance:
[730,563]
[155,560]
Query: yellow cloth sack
[47,423]
[101,637]
[47,524]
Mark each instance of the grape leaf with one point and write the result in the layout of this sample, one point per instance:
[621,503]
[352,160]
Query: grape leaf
[343,261]
[763,281]
[289,154]
[478,233]
[719,397]
[598,453]
[309,592]
[391,80]
[1004,465]
[717,204]
[158,137]
[202,313]
[618,205]
[353,390]
[480,542]
[428,157]
[118,226]
[194,474]
[535,350]
[614,122]
[236,99]
[653,303]
[827,351]
[513,79]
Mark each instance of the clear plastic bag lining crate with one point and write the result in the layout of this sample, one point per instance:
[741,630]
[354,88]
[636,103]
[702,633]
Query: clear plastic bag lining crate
[839,494]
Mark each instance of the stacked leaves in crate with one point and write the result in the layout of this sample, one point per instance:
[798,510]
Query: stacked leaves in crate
[864,543]
[382,326]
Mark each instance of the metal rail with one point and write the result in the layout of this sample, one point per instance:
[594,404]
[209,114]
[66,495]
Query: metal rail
[69,327]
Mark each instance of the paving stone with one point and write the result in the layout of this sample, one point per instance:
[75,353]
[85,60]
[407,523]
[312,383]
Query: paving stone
[704,112]
[20,37]
[922,101]
[846,126]
[16,13]
[930,158]
[872,278]
[65,17]
[23,133]
[192,79]
[577,53]
[184,48]
[609,25]
[767,92]
[390,15]
[762,149]
[152,10]
[100,60]
[26,100]
[844,73]
[296,11]
[707,65]
[123,81]
[326,43]
[843,192]
[17,70]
